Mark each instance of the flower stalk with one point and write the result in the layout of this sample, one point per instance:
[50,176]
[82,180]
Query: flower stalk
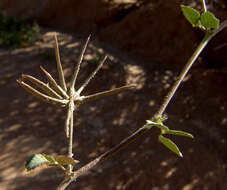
[71,99]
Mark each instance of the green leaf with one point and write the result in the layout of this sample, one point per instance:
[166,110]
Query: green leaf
[179,133]
[159,125]
[192,15]
[39,159]
[64,160]
[209,20]
[35,160]
[170,145]
[50,159]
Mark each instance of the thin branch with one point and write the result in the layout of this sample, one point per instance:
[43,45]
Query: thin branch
[65,183]
[181,77]
[70,146]
[67,122]
[59,66]
[91,75]
[83,170]
[85,99]
[187,67]
[54,83]
[204,5]
[68,180]
[42,96]
[74,77]
[43,86]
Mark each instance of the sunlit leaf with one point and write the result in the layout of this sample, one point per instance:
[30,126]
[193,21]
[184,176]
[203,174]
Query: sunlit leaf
[179,133]
[34,161]
[209,20]
[192,15]
[64,160]
[37,160]
[50,159]
[170,145]
[159,125]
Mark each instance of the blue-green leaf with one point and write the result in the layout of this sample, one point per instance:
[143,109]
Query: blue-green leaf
[37,160]
[34,161]
[179,133]
[170,145]
[209,20]
[192,15]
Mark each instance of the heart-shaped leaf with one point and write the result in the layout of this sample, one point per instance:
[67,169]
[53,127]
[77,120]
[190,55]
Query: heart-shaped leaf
[192,15]
[170,145]
[209,21]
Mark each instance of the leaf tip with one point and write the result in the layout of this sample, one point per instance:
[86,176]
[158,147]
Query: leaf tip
[181,155]
[18,81]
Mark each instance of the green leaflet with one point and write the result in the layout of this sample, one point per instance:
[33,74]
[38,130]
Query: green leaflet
[209,20]
[37,160]
[159,125]
[64,160]
[170,145]
[34,161]
[192,15]
[50,159]
[179,133]
[206,21]
[165,130]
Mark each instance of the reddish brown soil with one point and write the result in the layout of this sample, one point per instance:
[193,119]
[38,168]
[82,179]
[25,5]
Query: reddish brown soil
[149,29]
[28,126]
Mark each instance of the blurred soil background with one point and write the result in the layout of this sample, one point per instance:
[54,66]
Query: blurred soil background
[147,42]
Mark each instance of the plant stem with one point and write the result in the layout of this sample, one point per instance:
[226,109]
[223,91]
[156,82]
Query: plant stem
[128,140]
[91,75]
[204,5]
[70,147]
[59,67]
[107,93]
[74,77]
[65,183]
[182,75]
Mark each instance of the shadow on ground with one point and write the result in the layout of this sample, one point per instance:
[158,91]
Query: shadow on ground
[28,126]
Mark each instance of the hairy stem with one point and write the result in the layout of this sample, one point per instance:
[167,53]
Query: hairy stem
[208,36]
[59,67]
[42,96]
[182,76]
[70,147]
[43,86]
[107,93]
[128,140]
[91,75]
[54,83]
[77,69]
[103,157]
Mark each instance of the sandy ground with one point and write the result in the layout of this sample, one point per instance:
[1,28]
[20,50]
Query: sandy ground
[29,126]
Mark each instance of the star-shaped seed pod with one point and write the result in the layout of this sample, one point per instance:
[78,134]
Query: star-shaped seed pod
[62,96]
